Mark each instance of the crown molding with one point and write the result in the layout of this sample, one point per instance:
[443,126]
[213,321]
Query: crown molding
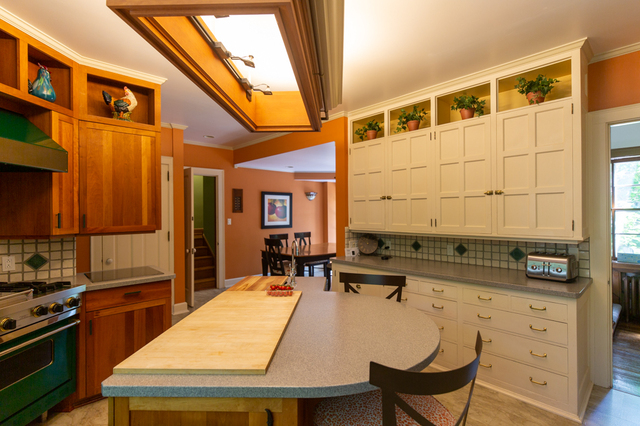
[208,145]
[616,52]
[32,31]
[173,126]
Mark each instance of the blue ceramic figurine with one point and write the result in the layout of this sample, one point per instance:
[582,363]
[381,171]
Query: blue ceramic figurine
[42,87]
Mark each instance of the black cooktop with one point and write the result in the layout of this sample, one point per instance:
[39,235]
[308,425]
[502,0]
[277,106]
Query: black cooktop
[39,287]
[122,274]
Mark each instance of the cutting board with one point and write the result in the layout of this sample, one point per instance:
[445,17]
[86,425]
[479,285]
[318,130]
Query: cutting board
[235,333]
[257,283]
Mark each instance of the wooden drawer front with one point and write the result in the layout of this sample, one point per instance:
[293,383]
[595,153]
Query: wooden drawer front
[535,328]
[448,355]
[477,296]
[413,285]
[438,290]
[433,305]
[521,376]
[540,308]
[448,328]
[118,296]
[542,354]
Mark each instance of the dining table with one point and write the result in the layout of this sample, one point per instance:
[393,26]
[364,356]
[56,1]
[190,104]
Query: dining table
[306,254]
[324,351]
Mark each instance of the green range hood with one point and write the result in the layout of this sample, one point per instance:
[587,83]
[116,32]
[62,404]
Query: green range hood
[25,148]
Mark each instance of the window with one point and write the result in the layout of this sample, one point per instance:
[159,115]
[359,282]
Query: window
[625,210]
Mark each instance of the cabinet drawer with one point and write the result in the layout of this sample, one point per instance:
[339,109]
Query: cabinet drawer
[448,328]
[413,285]
[448,355]
[433,305]
[538,354]
[101,299]
[496,369]
[438,290]
[477,296]
[540,308]
[535,328]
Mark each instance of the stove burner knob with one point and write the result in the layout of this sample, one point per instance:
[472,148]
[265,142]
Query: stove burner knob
[7,324]
[72,302]
[56,308]
[39,311]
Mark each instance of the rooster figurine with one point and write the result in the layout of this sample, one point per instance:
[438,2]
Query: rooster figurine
[42,87]
[122,107]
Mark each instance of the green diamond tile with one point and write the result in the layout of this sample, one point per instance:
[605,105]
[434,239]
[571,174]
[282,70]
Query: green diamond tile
[380,243]
[36,261]
[460,249]
[517,254]
[416,245]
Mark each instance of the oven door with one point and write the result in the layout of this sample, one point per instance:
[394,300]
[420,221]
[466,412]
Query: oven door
[37,370]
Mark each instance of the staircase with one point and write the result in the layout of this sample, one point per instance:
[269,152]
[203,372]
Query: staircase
[204,263]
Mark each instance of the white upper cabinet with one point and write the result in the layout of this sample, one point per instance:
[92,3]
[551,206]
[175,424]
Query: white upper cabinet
[367,173]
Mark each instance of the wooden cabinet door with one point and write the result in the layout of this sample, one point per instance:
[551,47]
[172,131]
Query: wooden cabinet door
[119,179]
[367,185]
[114,334]
[410,182]
[534,169]
[65,185]
[462,176]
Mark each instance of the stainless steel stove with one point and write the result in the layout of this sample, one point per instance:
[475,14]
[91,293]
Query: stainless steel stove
[38,322]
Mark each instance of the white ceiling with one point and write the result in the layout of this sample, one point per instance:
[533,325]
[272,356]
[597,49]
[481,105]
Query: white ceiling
[391,47]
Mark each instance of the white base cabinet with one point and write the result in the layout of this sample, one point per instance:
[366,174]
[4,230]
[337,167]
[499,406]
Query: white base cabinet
[535,346]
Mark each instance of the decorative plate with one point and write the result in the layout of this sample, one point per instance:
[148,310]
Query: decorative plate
[368,244]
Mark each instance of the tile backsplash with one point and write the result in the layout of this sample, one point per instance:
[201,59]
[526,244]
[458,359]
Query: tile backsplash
[39,259]
[494,253]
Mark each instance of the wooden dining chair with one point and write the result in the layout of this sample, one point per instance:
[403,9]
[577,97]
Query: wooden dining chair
[274,257]
[304,239]
[416,405]
[281,237]
[399,281]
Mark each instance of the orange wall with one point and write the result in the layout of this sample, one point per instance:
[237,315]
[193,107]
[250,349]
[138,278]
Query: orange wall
[614,82]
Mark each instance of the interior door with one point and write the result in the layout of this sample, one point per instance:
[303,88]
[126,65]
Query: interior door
[188,235]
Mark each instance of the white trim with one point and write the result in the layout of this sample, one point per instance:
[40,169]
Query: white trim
[173,126]
[220,194]
[180,308]
[616,52]
[232,281]
[599,202]
[32,31]
[208,145]
[169,162]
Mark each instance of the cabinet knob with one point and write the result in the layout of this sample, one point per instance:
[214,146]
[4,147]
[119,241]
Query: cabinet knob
[109,261]
[499,192]
[488,193]
[388,197]
[382,197]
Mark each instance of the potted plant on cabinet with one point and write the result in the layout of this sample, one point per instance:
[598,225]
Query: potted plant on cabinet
[410,120]
[370,129]
[468,105]
[537,89]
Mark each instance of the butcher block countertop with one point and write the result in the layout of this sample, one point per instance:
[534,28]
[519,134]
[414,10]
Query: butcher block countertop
[258,283]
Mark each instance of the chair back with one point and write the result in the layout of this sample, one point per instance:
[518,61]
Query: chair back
[392,381]
[399,281]
[303,238]
[281,237]
[274,256]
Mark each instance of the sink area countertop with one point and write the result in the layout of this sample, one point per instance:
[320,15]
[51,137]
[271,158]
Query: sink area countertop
[121,277]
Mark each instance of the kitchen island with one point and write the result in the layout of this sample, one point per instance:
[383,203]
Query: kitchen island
[325,351]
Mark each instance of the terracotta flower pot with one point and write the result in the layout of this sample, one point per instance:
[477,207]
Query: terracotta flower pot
[535,97]
[372,134]
[413,125]
[467,113]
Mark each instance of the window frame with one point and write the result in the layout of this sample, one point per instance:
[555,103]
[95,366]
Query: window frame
[631,159]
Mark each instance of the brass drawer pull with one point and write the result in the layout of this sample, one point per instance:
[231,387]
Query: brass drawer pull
[538,355]
[538,383]
[537,329]
[441,328]
[544,308]
[358,286]
[486,365]
[499,192]
[488,192]
[403,300]
[436,307]
[441,351]
[132,293]
[483,298]
[487,340]
[382,197]
[437,291]
[487,317]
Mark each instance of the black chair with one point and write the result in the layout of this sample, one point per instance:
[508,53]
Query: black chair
[281,237]
[391,280]
[417,405]
[274,257]
[304,239]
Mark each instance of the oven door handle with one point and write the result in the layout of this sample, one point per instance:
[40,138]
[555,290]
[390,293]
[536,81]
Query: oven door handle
[44,336]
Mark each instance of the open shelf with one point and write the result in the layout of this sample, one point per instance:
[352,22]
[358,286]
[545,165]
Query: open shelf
[509,98]
[395,113]
[60,73]
[444,103]
[362,122]
[8,60]
[144,113]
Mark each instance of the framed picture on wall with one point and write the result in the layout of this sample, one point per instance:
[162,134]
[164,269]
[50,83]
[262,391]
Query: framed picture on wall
[276,210]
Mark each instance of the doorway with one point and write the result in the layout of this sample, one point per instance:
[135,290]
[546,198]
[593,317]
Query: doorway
[204,230]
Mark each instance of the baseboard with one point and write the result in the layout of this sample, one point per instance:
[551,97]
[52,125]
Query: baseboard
[180,308]
[232,281]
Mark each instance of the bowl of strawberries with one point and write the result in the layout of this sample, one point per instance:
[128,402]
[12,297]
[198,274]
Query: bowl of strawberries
[280,290]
